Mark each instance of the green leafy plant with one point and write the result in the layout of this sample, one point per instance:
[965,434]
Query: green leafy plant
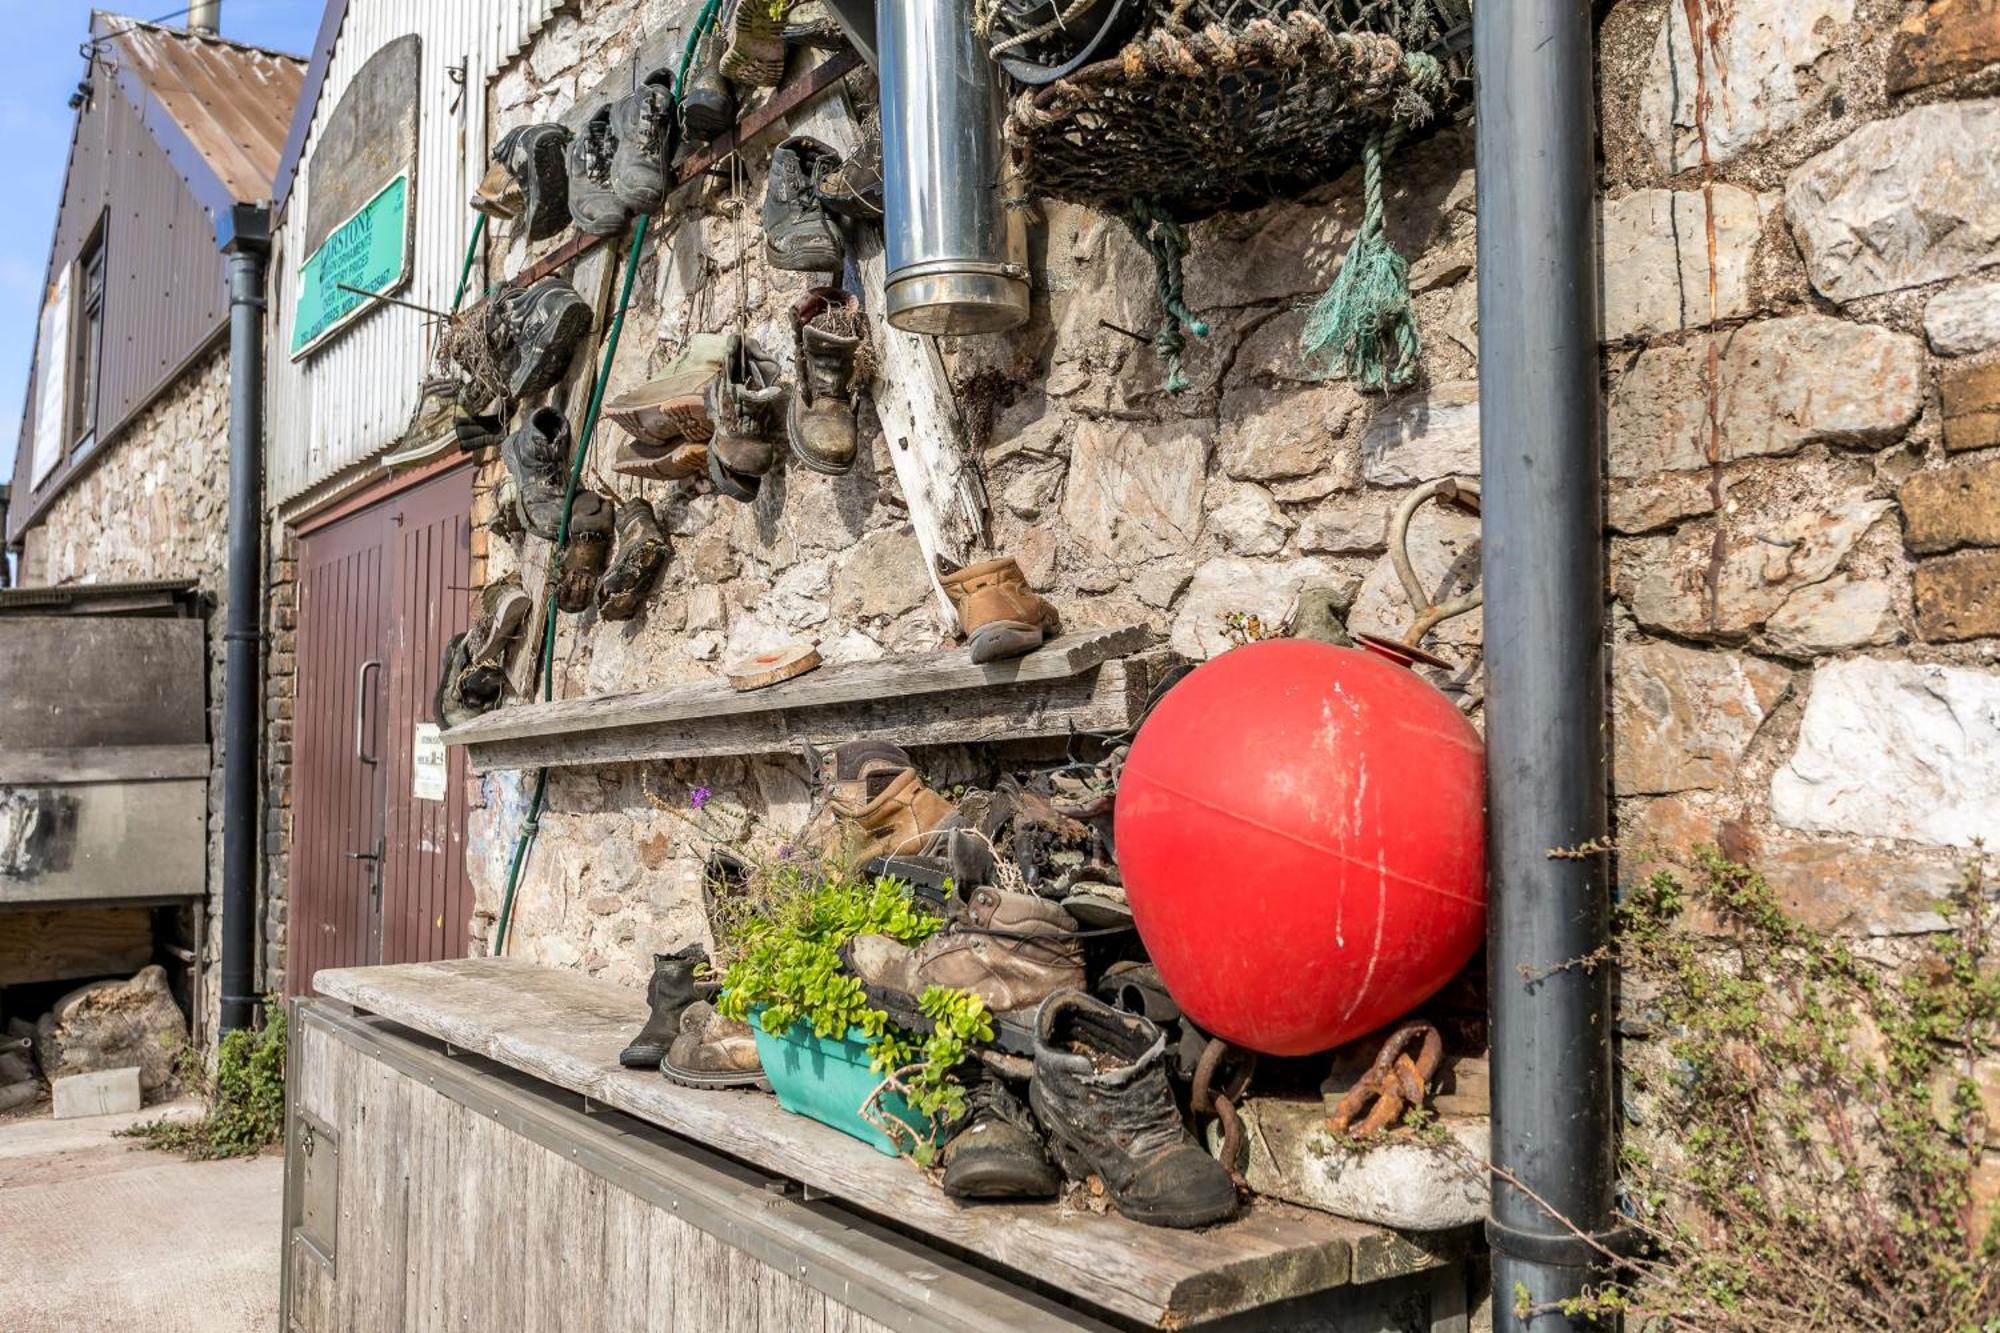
[787,971]
[245,1096]
[1809,1122]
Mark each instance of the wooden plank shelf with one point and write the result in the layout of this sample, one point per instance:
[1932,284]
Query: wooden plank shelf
[565,1028]
[1092,681]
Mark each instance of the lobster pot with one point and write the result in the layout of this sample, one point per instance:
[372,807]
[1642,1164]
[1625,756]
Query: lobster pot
[956,253]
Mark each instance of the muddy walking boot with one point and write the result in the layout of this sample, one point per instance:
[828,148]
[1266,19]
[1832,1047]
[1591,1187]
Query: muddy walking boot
[819,422]
[999,614]
[996,1150]
[528,181]
[668,994]
[708,103]
[754,52]
[537,456]
[503,610]
[636,564]
[642,126]
[746,403]
[713,1052]
[1012,950]
[580,567]
[593,202]
[667,416]
[448,706]
[1101,1088]
[532,331]
[799,236]
[853,189]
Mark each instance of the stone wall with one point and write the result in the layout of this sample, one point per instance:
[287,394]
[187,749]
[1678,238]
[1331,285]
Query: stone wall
[1801,234]
[156,506]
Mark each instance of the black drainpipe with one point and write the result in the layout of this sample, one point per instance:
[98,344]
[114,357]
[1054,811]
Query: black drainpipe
[1541,452]
[246,240]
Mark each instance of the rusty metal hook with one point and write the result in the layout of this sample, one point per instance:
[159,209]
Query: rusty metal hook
[1395,1082]
[1463,492]
[1206,1098]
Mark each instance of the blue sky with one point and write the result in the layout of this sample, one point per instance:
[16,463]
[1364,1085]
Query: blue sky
[39,68]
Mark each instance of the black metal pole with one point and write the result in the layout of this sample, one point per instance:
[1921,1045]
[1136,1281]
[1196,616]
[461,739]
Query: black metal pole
[1541,452]
[246,243]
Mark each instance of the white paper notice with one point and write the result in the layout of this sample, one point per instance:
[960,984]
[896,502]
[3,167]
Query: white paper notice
[427,766]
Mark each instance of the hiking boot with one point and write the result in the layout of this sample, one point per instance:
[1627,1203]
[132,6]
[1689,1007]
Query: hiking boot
[819,422]
[998,613]
[900,820]
[996,1150]
[476,430]
[708,103]
[642,552]
[533,182]
[503,609]
[593,203]
[642,127]
[746,403]
[668,994]
[537,456]
[713,1052]
[754,55]
[533,331]
[1101,1088]
[856,773]
[673,407]
[853,189]
[1012,950]
[799,236]
[809,24]
[448,707]
[581,565]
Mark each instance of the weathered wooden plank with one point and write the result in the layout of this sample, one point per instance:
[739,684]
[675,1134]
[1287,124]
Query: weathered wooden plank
[378,1247]
[1107,699]
[80,681]
[104,763]
[77,942]
[566,1028]
[102,841]
[949,671]
[628,1275]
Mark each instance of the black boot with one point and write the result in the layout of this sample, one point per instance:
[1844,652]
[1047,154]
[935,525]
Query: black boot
[1101,1088]
[642,550]
[593,203]
[643,125]
[537,456]
[533,330]
[533,156]
[996,1149]
[671,990]
[799,236]
[747,404]
[708,103]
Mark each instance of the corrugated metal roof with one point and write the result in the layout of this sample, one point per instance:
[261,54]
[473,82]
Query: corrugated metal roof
[232,102]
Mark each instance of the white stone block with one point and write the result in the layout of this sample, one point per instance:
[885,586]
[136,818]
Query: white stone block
[102,1092]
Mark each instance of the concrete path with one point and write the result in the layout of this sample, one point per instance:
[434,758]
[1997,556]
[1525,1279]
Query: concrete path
[98,1234]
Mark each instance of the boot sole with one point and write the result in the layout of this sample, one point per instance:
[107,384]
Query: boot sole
[970,1178]
[638,1057]
[1003,639]
[688,1078]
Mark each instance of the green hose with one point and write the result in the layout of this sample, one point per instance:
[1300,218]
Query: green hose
[532,824]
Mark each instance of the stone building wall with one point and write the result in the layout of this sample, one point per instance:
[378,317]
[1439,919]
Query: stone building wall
[157,507]
[1801,289]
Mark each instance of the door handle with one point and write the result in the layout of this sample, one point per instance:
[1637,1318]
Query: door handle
[361,716]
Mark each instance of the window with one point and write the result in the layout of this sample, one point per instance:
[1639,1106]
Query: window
[51,379]
[88,342]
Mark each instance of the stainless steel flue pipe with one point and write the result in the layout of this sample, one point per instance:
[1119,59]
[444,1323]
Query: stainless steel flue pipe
[957,254]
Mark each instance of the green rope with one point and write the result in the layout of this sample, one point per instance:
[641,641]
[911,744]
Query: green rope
[1363,328]
[532,824]
[1167,242]
[465,269]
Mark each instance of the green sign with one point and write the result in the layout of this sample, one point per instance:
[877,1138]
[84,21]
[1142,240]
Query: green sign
[369,251]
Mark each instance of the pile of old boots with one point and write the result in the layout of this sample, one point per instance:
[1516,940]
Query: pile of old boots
[684,1037]
[715,413]
[472,676]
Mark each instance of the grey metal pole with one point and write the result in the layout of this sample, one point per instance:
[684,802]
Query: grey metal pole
[1541,448]
[246,243]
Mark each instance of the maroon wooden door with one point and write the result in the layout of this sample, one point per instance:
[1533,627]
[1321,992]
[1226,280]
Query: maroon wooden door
[378,829]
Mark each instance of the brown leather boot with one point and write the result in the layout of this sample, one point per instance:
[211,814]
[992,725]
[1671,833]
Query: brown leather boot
[713,1052]
[999,614]
[902,817]
[1012,950]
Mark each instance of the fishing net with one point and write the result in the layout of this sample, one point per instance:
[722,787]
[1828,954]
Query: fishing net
[1228,104]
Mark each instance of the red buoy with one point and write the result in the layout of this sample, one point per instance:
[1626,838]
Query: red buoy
[1301,832]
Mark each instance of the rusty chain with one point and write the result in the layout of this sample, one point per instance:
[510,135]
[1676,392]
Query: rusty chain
[1394,1083]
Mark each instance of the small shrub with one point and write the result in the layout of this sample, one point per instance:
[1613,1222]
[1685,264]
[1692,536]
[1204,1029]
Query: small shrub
[246,1096]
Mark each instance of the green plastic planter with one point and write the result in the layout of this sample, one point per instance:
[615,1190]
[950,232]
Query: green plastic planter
[828,1079]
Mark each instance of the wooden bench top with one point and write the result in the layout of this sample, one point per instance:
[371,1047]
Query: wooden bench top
[566,1028]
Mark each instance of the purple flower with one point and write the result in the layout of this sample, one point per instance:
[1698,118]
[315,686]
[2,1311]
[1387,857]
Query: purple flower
[698,797]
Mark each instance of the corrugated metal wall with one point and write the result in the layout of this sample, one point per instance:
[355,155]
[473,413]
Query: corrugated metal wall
[164,294]
[352,399]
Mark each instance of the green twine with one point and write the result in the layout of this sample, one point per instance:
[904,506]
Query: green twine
[1167,242]
[1363,328]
